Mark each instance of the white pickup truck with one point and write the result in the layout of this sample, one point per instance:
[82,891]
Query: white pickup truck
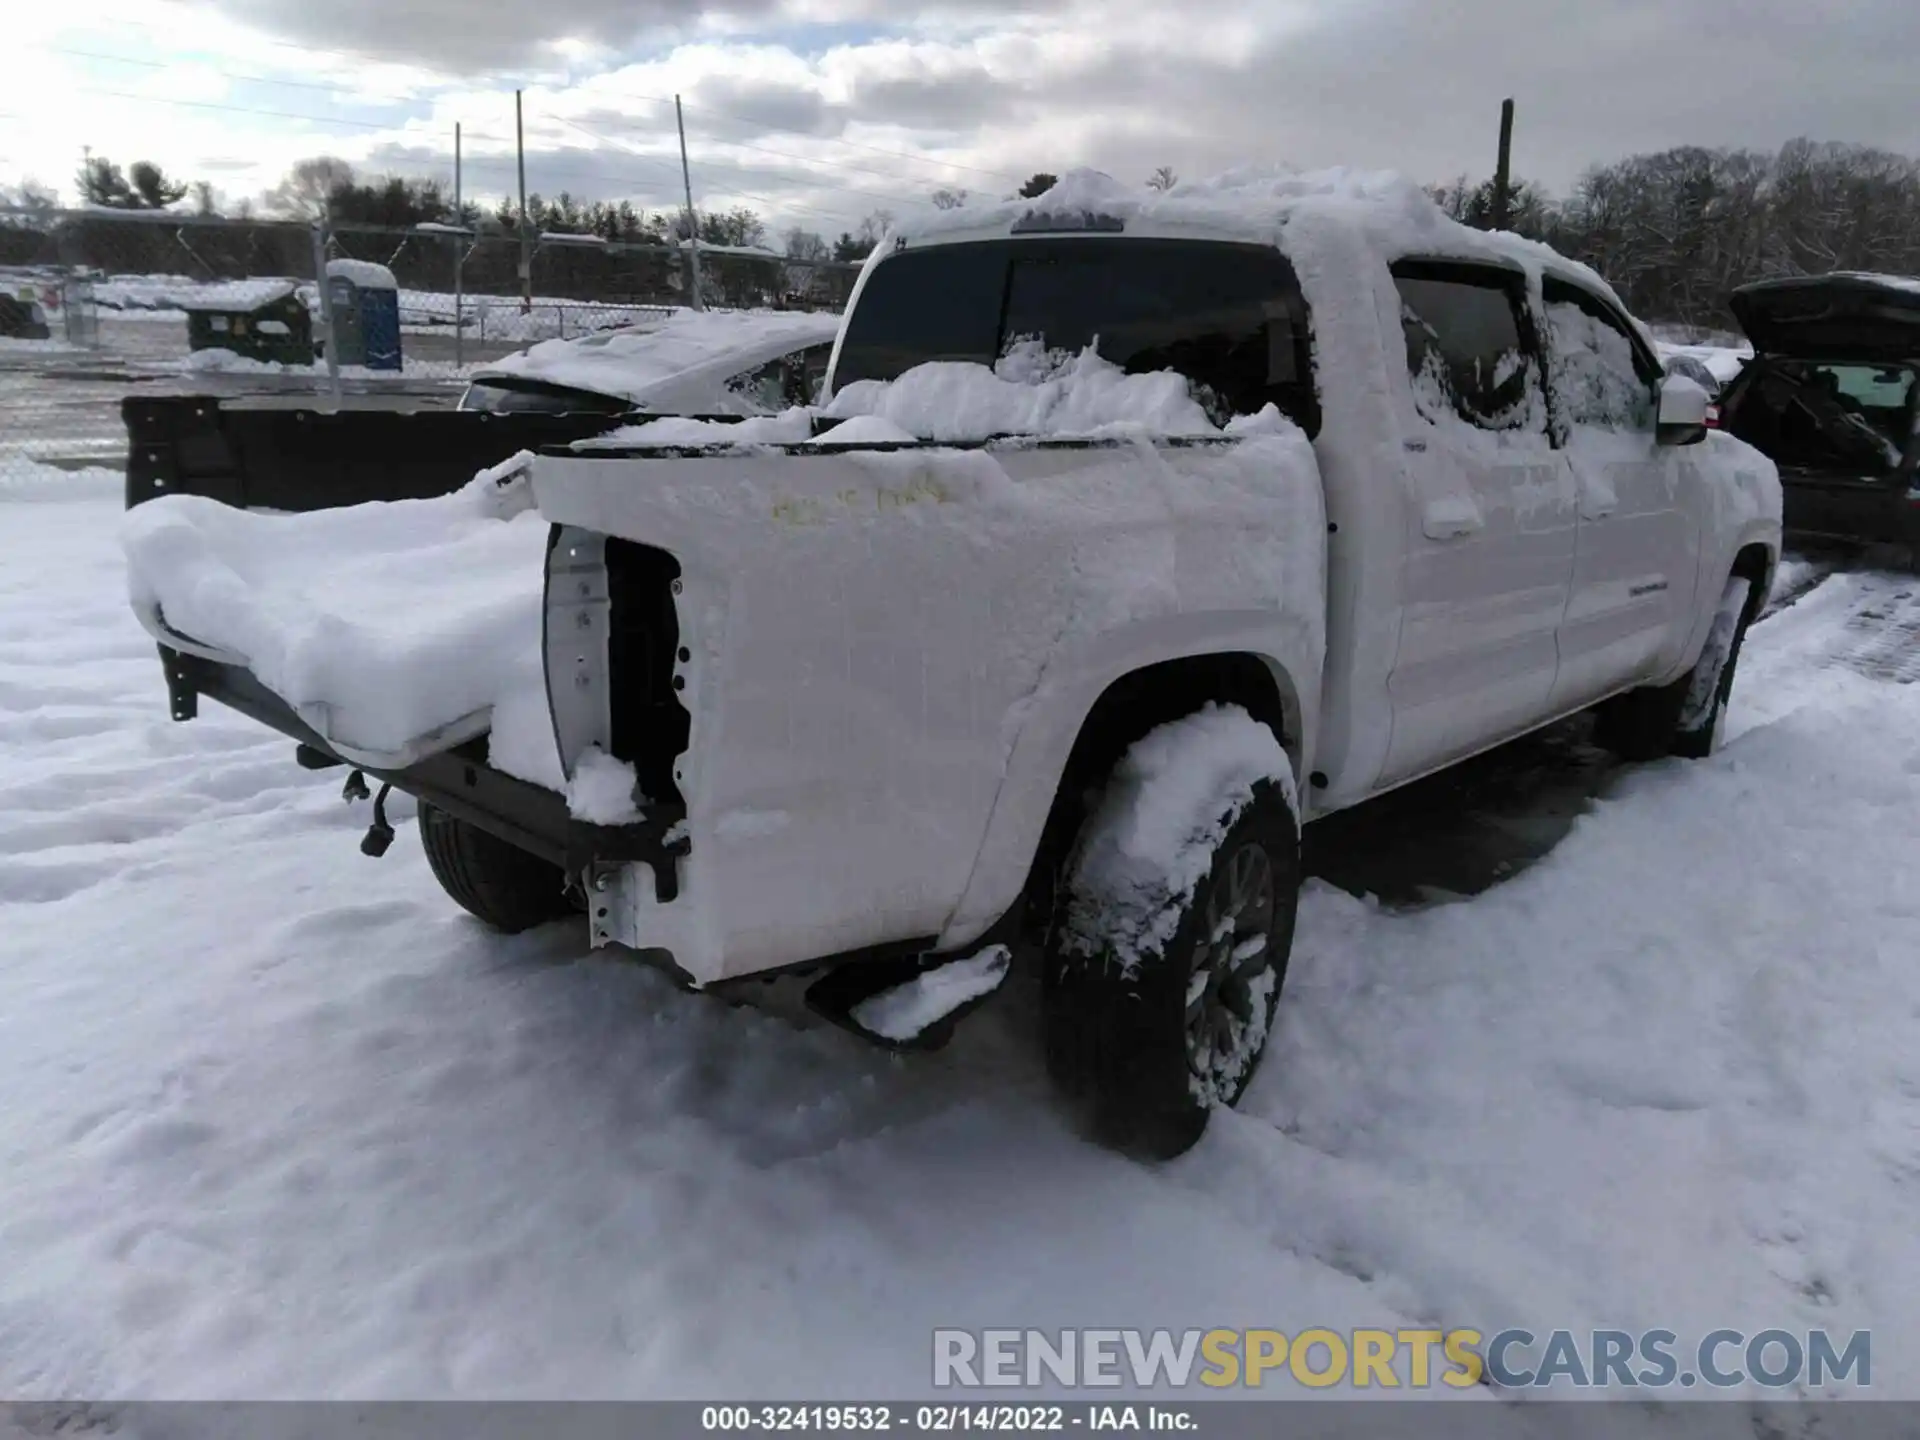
[1138,532]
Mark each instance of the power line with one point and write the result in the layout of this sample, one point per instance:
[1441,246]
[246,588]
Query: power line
[818,184]
[729,190]
[823,139]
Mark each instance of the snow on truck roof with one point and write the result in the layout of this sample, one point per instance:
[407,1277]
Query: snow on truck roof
[1303,212]
[633,361]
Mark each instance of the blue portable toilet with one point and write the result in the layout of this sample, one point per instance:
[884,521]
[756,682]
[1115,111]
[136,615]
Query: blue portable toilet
[366,305]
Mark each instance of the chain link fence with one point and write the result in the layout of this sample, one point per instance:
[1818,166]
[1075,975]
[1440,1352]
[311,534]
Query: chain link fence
[96,305]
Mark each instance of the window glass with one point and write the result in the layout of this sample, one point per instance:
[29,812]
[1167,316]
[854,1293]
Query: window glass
[764,387]
[1229,317]
[1600,377]
[1466,354]
[505,396]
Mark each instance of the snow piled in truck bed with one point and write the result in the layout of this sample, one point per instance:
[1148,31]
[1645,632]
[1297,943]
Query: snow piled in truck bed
[400,618]
[1029,392]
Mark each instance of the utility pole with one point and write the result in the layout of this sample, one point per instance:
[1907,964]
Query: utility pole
[459,251]
[693,220]
[1503,170]
[526,236]
[321,227]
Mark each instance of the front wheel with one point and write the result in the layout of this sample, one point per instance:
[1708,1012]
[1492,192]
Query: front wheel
[1165,972]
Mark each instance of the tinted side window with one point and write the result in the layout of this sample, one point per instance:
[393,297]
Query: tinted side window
[1601,376]
[513,396]
[1467,353]
[924,305]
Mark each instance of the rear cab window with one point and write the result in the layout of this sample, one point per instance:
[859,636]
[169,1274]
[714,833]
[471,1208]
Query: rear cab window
[1229,317]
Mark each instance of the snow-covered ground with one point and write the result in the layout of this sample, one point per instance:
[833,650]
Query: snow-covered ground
[485,317]
[280,1120]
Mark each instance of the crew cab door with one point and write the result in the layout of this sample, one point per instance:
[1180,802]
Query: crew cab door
[1635,561]
[1490,531]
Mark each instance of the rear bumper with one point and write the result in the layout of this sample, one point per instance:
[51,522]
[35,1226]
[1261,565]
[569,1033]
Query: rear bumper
[458,781]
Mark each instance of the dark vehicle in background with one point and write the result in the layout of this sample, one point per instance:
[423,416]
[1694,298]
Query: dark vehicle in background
[22,319]
[1830,396]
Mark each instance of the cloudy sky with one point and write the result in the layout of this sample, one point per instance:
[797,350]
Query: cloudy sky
[816,112]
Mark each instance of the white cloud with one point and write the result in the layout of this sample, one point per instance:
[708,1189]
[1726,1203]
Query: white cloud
[798,107]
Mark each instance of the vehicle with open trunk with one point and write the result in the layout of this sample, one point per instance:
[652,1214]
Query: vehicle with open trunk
[1138,532]
[1831,396]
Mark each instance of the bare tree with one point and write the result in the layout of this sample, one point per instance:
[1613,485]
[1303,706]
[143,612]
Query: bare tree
[806,250]
[949,199]
[30,196]
[152,186]
[1163,179]
[304,193]
[805,245]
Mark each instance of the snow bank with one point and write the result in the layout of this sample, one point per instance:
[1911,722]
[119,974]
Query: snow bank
[281,1123]
[226,362]
[391,621]
[24,479]
[1031,391]
[1152,838]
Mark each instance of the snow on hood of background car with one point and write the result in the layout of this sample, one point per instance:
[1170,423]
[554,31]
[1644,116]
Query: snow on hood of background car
[690,349]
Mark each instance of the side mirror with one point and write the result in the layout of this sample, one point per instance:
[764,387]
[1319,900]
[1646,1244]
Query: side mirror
[1683,411]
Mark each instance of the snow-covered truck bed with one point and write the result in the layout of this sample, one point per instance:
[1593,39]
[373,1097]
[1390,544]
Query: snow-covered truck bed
[1138,531]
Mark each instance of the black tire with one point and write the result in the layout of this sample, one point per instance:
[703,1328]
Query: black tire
[490,879]
[1649,723]
[1120,1041]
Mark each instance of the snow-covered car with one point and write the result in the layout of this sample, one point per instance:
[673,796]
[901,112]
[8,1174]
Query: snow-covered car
[694,363]
[1137,532]
[1830,395]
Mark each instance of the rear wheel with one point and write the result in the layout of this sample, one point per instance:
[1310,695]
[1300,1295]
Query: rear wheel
[490,879]
[1159,1000]
[1686,717]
